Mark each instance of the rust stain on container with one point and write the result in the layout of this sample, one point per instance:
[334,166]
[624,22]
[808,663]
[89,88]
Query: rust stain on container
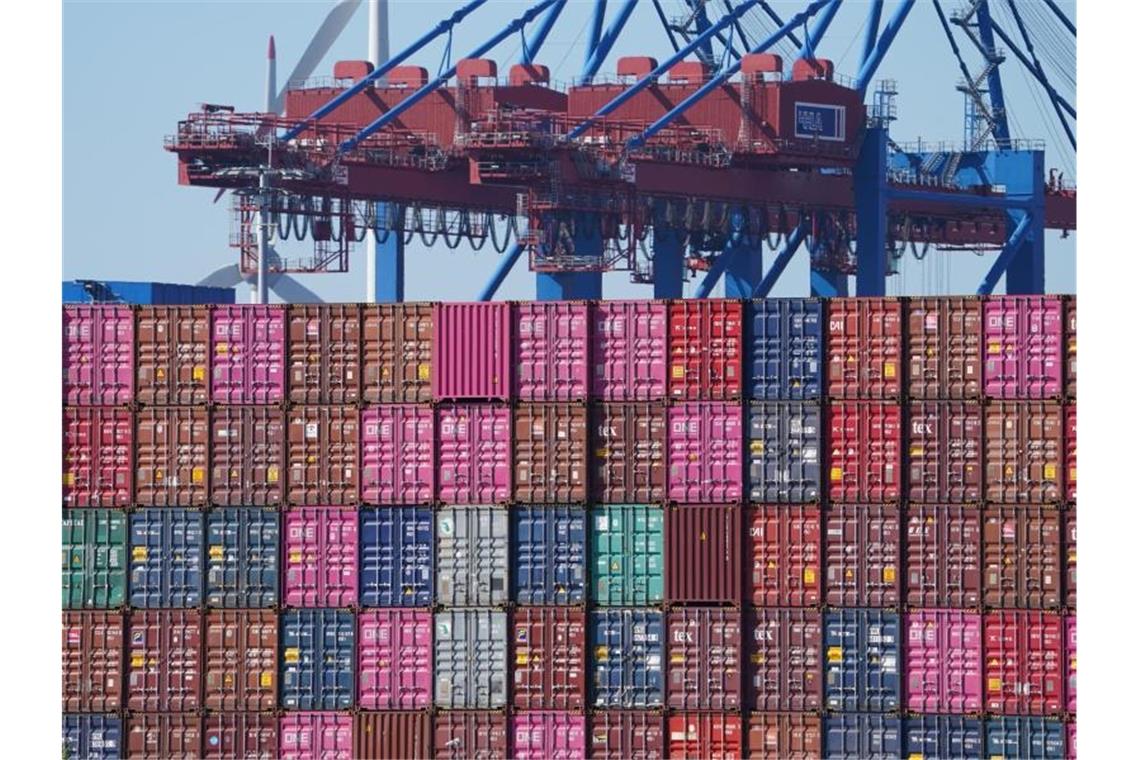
[550,453]
[702,547]
[468,734]
[164,660]
[324,455]
[704,652]
[944,348]
[864,346]
[247,456]
[171,447]
[92,661]
[627,446]
[1022,556]
[548,652]
[324,353]
[862,549]
[944,447]
[943,556]
[164,736]
[1024,452]
[785,550]
[706,339]
[397,350]
[391,736]
[784,736]
[241,660]
[627,735]
[173,355]
[784,652]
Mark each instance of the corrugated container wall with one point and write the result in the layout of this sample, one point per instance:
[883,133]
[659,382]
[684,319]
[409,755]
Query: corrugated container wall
[1036,738]
[1024,347]
[242,550]
[93,644]
[944,348]
[862,737]
[548,736]
[705,345]
[167,558]
[863,660]
[394,659]
[324,353]
[231,735]
[863,555]
[784,736]
[548,652]
[550,442]
[953,737]
[98,355]
[943,556]
[173,362]
[701,735]
[397,353]
[705,443]
[784,349]
[391,736]
[866,452]
[470,659]
[307,735]
[474,456]
[784,651]
[472,556]
[321,550]
[1024,453]
[629,351]
[944,447]
[1071,740]
[471,354]
[98,457]
[626,735]
[1071,558]
[627,448]
[1024,668]
[397,557]
[864,348]
[1071,664]
[318,653]
[94,559]
[627,657]
[247,456]
[164,656]
[163,736]
[323,451]
[1022,557]
[241,661]
[171,456]
[704,650]
[627,545]
[943,661]
[702,544]
[92,737]
[1071,348]
[551,351]
[784,443]
[549,554]
[247,354]
[397,454]
[1071,452]
[784,548]
[470,734]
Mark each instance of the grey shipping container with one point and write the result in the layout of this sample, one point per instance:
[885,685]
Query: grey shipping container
[549,565]
[391,736]
[952,737]
[783,452]
[166,558]
[472,557]
[317,659]
[242,550]
[92,737]
[397,557]
[471,659]
[783,356]
[1025,737]
[94,558]
[862,737]
[627,654]
[863,660]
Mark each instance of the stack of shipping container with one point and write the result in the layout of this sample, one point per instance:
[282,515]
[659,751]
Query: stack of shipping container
[785,528]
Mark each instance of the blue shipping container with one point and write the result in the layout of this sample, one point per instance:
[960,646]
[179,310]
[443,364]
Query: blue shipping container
[550,559]
[627,647]
[396,557]
[784,354]
[862,737]
[862,660]
[318,659]
[1024,737]
[166,558]
[783,452]
[92,737]
[947,737]
[243,547]
[143,293]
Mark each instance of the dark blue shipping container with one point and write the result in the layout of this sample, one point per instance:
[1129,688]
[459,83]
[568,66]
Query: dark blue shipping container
[627,648]
[946,737]
[550,554]
[143,293]
[318,659]
[1023,737]
[862,737]
[166,558]
[92,737]
[243,545]
[862,660]
[783,452]
[396,557]
[784,350]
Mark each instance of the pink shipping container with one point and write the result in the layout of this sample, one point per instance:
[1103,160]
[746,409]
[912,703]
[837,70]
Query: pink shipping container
[944,444]
[321,557]
[474,453]
[1071,663]
[98,355]
[704,650]
[863,555]
[98,463]
[309,735]
[865,348]
[247,354]
[164,659]
[1024,347]
[705,453]
[1071,348]
[866,447]
[705,343]
[1071,559]
[551,351]
[629,350]
[784,549]
[549,655]
[943,556]
[705,736]
[548,736]
[397,454]
[1024,668]
[1071,740]
[394,659]
[1071,452]
[785,659]
[471,356]
[944,661]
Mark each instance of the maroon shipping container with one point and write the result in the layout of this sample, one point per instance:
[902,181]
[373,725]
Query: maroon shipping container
[1024,452]
[324,353]
[396,353]
[866,447]
[171,456]
[164,656]
[470,735]
[629,346]
[323,452]
[784,736]
[92,662]
[550,443]
[784,649]
[705,343]
[241,660]
[944,444]
[943,556]
[397,454]
[784,548]
[705,736]
[247,455]
[628,450]
[321,551]
[98,355]
[704,650]
[944,348]
[1071,558]
[163,736]
[391,736]
[551,351]
[471,353]
[702,554]
[240,735]
[549,654]
[943,661]
[627,735]
[1022,557]
[864,348]
[98,462]
[705,453]
[173,362]
[862,551]
[473,453]
[1071,452]
[1024,347]
[247,355]
[1071,664]
[1071,348]
[1024,653]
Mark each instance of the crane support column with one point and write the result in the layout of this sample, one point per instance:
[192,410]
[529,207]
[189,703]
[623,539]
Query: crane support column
[828,284]
[567,286]
[668,258]
[871,214]
[745,254]
[385,261]
[1023,174]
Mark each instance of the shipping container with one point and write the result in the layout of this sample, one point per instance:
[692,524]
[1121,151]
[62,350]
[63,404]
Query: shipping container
[391,736]
[470,735]
[1024,347]
[864,348]
[92,661]
[397,349]
[943,556]
[394,659]
[1024,737]
[943,661]
[1024,662]
[474,453]
[98,461]
[98,355]
[164,656]
[784,349]
[1022,557]
[944,448]
[550,351]
[321,550]
[549,557]
[173,345]
[164,736]
[397,557]
[548,736]
[784,736]
[323,451]
[784,651]
[241,661]
[1071,740]
[627,544]
[94,559]
[1024,452]
[944,348]
[1071,452]
[471,356]
[783,452]
[470,659]
[1071,558]
[240,735]
[627,658]
[627,448]
[627,735]
[92,737]
[242,550]
[247,354]
[706,736]
[704,651]
[784,548]
[167,558]
[247,456]
[397,463]
[705,450]
[324,353]
[705,346]
[952,737]
[863,660]
[472,556]
[862,737]
[702,545]
[629,348]
[866,451]
[550,442]
[1071,664]
[1071,356]
[863,555]
[171,456]
[318,660]
[309,735]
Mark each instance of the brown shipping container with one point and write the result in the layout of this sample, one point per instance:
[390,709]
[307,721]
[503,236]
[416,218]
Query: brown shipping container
[1071,348]
[1071,558]
[784,549]
[1022,552]
[944,348]
[704,653]
[784,652]
[391,736]
[1071,452]
[862,551]
[397,353]
[548,649]
[470,734]
[628,448]
[324,353]
[944,441]
[164,736]
[244,735]
[1024,452]
[241,660]
[702,554]
[550,453]
[324,455]
[627,735]
[864,346]
[943,556]
[171,456]
[247,456]
[92,662]
[164,657]
[784,736]
[173,362]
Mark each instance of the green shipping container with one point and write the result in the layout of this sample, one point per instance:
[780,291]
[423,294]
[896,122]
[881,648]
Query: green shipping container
[629,555]
[94,558]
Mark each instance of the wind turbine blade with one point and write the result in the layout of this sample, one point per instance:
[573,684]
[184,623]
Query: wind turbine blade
[228,276]
[219,194]
[326,35]
[292,291]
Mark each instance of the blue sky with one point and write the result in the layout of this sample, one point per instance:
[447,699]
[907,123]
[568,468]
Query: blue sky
[133,69]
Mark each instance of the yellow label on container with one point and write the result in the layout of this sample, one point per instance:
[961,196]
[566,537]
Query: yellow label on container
[677,658]
[1050,471]
[160,373]
[292,654]
[521,658]
[993,684]
[993,347]
[158,475]
[837,473]
[198,373]
[221,348]
[138,660]
[756,447]
[835,654]
[916,451]
[809,575]
[69,478]
[423,371]
[198,475]
[914,756]
[601,654]
[217,552]
[889,370]
[758,658]
[678,371]
[601,453]
[888,574]
[1072,473]
[294,556]
[271,475]
[138,553]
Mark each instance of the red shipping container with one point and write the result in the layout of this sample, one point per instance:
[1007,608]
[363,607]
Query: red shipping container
[550,351]
[164,736]
[1071,558]
[171,456]
[784,736]
[1024,653]
[863,555]
[1022,557]
[549,655]
[247,354]
[1071,348]
[98,462]
[321,550]
[474,453]
[628,451]
[627,735]
[550,442]
[247,456]
[246,735]
[394,659]
[548,736]
[864,348]
[324,735]
[241,660]
[165,661]
[944,348]
[706,453]
[323,451]
[391,736]
[92,662]
[702,549]
[1071,663]
[173,355]
[704,652]
[629,346]
[785,660]
[396,353]
[784,548]
[1024,348]
[397,454]
[943,556]
[98,355]
[944,661]
[470,734]
[944,444]
[324,353]
[705,344]
[1071,452]
[705,736]
[471,351]
[1024,452]
[866,449]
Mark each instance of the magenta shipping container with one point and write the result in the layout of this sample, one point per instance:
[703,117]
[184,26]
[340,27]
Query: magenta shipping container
[1024,347]
[98,355]
[247,353]
[471,351]
[551,351]
[309,735]
[629,351]
[320,557]
[397,454]
[98,467]
[944,661]
[474,453]
[394,659]
[548,736]
[1071,664]
[705,453]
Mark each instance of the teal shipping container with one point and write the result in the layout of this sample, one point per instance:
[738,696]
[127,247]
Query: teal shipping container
[628,546]
[94,559]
